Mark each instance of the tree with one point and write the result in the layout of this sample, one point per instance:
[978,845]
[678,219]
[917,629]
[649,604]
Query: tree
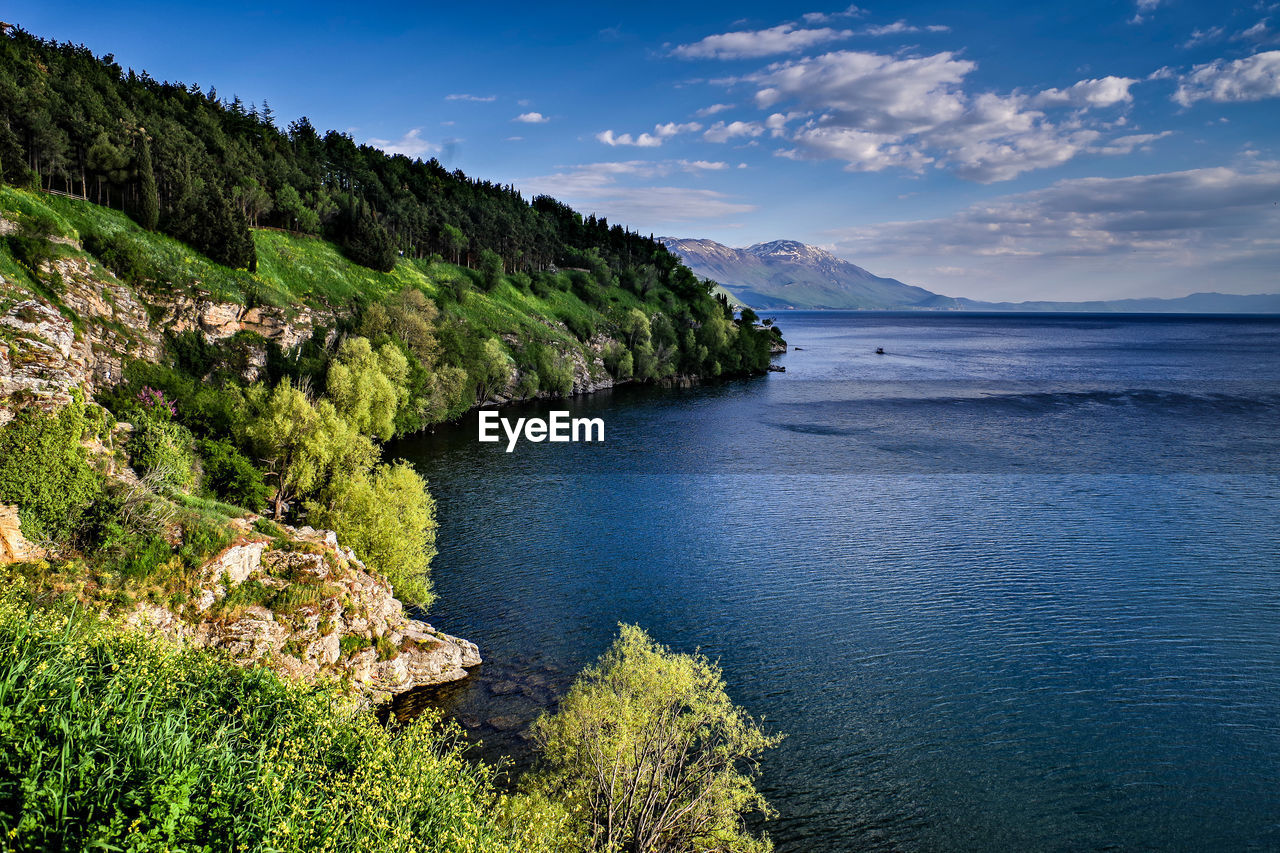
[148,195]
[388,518]
[492,372]
[649,749]
[367,387]
[490,268]
[303,446]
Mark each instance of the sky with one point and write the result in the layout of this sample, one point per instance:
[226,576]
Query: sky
[1093,149]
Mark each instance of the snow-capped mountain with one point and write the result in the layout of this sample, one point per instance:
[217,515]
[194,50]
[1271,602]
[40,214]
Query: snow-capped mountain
[788,273]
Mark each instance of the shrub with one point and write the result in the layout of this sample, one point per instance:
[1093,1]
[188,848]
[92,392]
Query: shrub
[650,751]
[230,475]
[122,255]
[162,450]
[44,470]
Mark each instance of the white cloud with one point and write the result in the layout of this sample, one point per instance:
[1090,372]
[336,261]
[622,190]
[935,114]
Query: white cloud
[479,99]
[531,118]
[602,188]
[877,111]
[713,109]
[661,132]
[411,144]
[1128,144]
[1144,10]
[1103,92]
[644,140]
[1199,37]
[722,132]
[902,27]
[827,17]
[671,128]
[1196,230]
[1250,79]
[748,44]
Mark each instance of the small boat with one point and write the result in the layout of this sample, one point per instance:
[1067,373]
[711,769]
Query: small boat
[879,350]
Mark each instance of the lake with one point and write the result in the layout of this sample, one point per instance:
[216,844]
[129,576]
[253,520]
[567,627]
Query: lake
[1014,584]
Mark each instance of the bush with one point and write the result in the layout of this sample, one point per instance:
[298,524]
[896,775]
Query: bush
[230,475]
[388,519]
[122,255]
[650,751]
[45,471]
[162,450]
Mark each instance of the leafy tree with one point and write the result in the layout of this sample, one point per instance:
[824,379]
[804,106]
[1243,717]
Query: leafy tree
[648,748]
[492,371]
[45,472]
[368,386]
[387,517]
[303,446]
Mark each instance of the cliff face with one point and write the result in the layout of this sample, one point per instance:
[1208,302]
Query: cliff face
[306,606]
[46,349]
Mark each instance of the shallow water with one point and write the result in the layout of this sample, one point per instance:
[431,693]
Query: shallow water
[1014,584]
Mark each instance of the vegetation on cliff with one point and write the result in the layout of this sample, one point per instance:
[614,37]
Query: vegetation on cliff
[114,740]
[205,319]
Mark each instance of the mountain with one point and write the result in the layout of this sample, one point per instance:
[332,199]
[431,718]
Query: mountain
[790,274]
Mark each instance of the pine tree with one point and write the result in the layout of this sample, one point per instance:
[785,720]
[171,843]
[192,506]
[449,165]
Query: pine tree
[148,196]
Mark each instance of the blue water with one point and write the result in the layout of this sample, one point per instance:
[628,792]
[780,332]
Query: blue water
[1014,584]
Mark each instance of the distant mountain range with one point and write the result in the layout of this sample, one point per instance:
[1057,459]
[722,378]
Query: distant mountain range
[789,274]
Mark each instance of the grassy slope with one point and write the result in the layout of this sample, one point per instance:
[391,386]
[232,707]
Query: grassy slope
[299,270]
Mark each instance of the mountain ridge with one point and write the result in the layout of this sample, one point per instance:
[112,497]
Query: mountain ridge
[780,274]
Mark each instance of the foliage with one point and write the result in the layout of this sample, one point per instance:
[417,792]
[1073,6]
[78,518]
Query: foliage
[387,517]
[649,749]
[113,740]
[162,447]
[230,475]
[44,470]
[367,387]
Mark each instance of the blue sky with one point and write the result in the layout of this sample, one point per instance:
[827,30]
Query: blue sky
[1004,151]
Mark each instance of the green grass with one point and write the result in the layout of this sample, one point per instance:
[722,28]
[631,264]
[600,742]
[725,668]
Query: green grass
[113,740]
[295,270]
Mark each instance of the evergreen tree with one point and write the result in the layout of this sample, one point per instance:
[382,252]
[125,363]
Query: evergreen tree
[148,213]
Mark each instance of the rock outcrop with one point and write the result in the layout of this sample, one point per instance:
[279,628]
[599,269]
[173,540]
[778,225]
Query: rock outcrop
[14,547]
[307,607]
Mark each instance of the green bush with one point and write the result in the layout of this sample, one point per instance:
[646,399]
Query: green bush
[230,475]
[162,449]
[44,470]
[122,255]
[112,740]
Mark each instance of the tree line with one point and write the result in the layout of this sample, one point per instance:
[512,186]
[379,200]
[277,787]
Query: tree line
[204,169]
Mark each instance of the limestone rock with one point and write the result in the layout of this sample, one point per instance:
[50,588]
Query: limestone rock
[338,599]
[14,547]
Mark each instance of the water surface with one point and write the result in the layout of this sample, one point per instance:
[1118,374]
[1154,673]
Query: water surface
[1014,584]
